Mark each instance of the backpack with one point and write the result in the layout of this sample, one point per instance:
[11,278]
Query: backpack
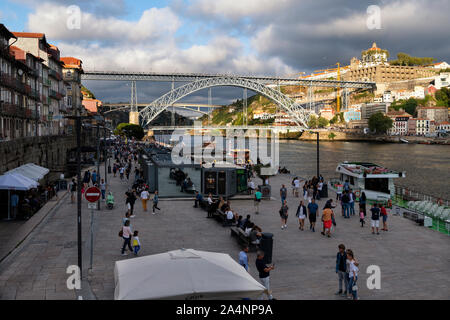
[121,233]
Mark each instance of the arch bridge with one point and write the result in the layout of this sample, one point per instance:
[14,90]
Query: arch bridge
[298,113]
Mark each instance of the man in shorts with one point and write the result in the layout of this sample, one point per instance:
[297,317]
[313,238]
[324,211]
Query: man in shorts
[313,209]
[375,218]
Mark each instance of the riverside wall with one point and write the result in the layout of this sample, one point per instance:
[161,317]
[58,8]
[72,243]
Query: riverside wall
[46,151]
[345,136]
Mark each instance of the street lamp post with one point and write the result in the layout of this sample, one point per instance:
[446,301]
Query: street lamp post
[78,119]
[318,153]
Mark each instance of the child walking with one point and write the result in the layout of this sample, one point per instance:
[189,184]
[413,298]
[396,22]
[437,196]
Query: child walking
[136,243]
[361,218]
[155,201]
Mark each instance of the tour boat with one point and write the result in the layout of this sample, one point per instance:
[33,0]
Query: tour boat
[404,140]
[375,181]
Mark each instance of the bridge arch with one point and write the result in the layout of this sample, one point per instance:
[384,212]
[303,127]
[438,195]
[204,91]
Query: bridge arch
[298,113]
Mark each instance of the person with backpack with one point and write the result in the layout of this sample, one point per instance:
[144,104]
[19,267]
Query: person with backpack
[375,221]
[345,205]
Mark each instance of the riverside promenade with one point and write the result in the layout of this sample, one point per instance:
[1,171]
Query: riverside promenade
[414,261]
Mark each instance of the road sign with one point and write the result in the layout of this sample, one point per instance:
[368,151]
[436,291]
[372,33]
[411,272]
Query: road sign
[92,205]
[92,194]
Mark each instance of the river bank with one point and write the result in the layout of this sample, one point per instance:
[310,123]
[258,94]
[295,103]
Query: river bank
[345,136]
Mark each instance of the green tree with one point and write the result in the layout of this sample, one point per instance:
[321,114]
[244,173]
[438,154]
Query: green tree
[404,59]
[443,97]
[312,122]
[380,123]
[331,136]
[130,130]
[322,122]
[89,93]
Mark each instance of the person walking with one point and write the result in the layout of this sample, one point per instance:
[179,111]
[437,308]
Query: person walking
[145,195]
[313,209]
[353,275]
[283,193]
[345,199]
[132,200]
[126,235]
[121,171]
[310,193]
[351,202]
[264,274]
[362,203]
[103,189]
[73,190]
[384,216]
[243,258]
[284,215]
[257,201]
[94,177]
[114,169]
[341,270]
[301,215]
[375,221]
[14,204]
[155,201]
[87,178]
[327,219]
[136,242]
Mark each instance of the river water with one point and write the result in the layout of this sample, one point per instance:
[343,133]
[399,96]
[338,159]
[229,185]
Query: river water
[427,166]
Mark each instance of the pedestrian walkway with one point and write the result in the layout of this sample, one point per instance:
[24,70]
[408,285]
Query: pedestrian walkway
[414,261]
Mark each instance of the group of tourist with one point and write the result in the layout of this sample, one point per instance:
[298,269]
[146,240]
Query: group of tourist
[347,271]
[312,189]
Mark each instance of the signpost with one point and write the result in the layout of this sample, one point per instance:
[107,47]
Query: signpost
[92,195]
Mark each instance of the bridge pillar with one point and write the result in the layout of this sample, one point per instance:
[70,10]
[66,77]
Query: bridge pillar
[134,117]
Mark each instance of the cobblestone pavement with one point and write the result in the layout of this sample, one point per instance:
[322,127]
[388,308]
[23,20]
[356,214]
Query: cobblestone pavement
[414,261]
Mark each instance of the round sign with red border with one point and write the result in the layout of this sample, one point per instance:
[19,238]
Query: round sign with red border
[92,194]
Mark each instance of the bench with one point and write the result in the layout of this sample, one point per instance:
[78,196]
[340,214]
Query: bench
[242,238]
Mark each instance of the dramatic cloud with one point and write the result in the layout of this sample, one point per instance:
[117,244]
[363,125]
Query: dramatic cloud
[240,37]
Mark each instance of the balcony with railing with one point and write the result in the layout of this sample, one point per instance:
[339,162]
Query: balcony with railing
[55,74]
[46,82]
[55,94]
[12,110]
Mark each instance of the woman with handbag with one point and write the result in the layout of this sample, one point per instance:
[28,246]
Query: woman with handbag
[126,235]
[353,275]
[301,215]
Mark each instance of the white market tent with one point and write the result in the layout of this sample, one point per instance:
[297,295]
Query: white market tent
[15,181]
[30,170]
[184,274]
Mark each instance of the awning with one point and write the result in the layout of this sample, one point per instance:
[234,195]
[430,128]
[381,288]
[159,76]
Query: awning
[31,171]
[184,274]
[15,181]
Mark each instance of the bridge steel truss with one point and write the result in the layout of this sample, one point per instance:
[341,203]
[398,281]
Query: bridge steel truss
[298,113]
[188,77]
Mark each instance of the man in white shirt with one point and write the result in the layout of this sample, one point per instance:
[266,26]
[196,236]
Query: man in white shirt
[296,187]
[251,186]
[230,217]
[144,197]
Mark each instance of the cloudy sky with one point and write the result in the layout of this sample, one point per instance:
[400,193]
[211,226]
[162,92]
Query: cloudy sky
[259,37]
